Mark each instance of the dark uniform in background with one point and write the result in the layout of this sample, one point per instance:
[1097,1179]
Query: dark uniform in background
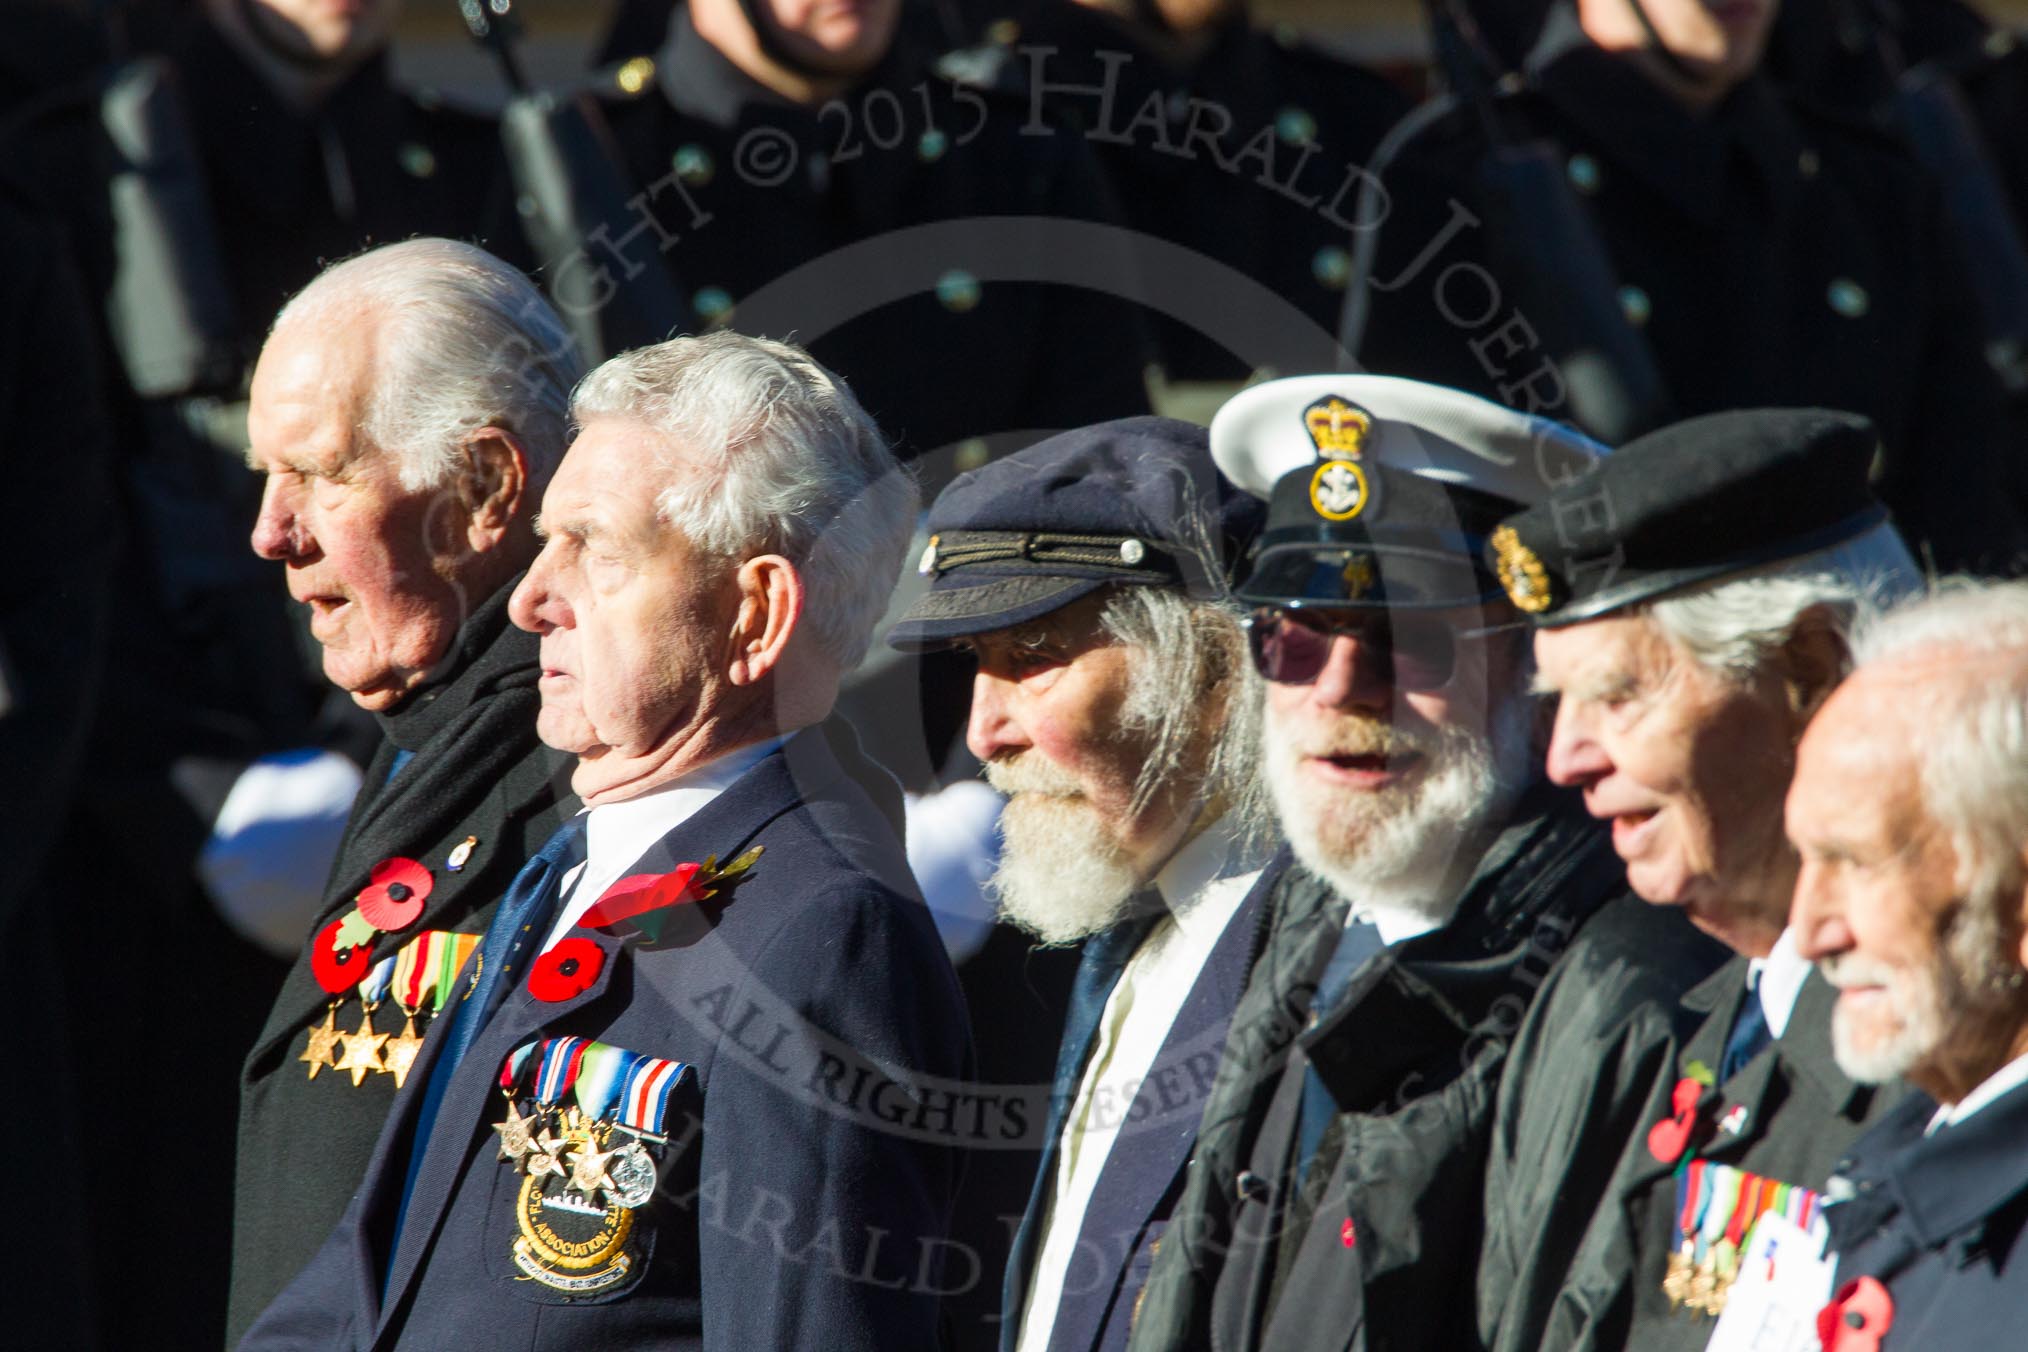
[56,560]
[1767,252]
[1243,145]
[213,670]
[762,186]
[460,763]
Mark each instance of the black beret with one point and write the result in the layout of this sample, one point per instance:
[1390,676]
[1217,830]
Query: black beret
[1692,503]
[1133,502]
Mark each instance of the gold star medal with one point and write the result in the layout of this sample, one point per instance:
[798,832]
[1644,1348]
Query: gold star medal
[546,1158]
[588,1167]
[362,1049]
[401,1051]
[517,1135]
[323,1040]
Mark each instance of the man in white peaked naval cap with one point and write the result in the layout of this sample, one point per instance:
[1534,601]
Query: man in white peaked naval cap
[1430,879]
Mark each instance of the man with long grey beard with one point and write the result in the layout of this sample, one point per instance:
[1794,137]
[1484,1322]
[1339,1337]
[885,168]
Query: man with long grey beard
[1333,1199]
[1115,708]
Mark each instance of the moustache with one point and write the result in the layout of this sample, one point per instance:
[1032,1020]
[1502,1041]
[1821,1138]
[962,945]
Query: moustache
[1356,735]
[1029,773]
[1844,970]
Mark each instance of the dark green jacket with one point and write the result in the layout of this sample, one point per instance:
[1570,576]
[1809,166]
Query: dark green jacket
[1586,1084]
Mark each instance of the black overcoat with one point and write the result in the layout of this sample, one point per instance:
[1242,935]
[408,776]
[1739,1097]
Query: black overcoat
[477,771]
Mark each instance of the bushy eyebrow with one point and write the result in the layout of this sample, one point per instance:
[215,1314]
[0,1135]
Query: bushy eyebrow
[1590,688]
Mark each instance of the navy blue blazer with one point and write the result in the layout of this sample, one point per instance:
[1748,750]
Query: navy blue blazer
[1143,1174]
[807,1188]
[1939,1220]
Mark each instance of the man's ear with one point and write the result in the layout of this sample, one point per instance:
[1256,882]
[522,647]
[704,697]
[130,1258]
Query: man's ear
[493,486]
[1813,661]
[770,611]
[2021,912]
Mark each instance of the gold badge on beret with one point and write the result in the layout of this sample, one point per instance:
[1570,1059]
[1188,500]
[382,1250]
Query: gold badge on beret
[1520,572]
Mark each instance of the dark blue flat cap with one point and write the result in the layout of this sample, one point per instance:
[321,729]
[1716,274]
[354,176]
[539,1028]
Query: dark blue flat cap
[1688,505]
[1134,502]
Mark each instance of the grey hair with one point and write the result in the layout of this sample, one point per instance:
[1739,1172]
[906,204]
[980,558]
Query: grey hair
[1735,627]
[1974,762]
[765,451]
[1185,649]
[463,341]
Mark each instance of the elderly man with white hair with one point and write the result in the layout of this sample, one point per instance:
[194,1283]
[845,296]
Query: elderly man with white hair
[1691,597]
[1910,812]
[705,1072]
[408,409]
[1432,878]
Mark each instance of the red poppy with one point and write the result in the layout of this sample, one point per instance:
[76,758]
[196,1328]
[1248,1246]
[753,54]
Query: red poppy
[338,969]
[394,893]
[1669,1138]
[641,893]
[1857,1318]
[566,971]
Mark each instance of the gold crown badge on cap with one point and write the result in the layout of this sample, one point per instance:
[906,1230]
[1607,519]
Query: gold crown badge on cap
[1521,572]
[1338,427]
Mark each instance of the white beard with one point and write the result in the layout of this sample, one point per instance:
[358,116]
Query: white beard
[1921,1016]
[1400,848]
[1061,877]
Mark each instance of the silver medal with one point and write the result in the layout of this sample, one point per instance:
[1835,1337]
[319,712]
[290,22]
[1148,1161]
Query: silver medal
[630,1176]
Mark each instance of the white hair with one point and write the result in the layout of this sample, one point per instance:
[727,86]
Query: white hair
[462,341]
[766,451]
[1183,648]
[1974,774]
[1734,628]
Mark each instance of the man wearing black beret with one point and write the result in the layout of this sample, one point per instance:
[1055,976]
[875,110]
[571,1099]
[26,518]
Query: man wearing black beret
[1430,882]
[1691,597]
[1114,705]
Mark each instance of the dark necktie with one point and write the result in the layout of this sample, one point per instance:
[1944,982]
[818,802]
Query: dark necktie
[1750,1034]
[1360,941]
[524,917]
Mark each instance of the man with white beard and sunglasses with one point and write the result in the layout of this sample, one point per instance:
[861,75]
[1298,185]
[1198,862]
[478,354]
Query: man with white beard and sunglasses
[1432,880]
[1114,706]
[1909,810]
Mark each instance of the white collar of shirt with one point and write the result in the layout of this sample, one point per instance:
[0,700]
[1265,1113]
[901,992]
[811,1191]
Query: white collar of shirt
[1203,886]
[1779,978]
[2010,1076]
[1396,924]
[1186,880]
[618,834]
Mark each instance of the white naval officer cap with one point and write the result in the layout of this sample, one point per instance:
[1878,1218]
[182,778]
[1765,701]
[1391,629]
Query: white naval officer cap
[1383,492]
[1434,431]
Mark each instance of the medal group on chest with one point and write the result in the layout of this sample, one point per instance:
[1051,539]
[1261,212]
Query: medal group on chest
[587,1163]
[418,977]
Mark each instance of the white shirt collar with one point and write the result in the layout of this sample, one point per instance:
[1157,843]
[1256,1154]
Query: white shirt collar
[1396,924]
[1779,978]
[2010,1076]
[1213,854]
[618,834]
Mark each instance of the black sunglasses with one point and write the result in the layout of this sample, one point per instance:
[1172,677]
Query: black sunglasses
[1418,649]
